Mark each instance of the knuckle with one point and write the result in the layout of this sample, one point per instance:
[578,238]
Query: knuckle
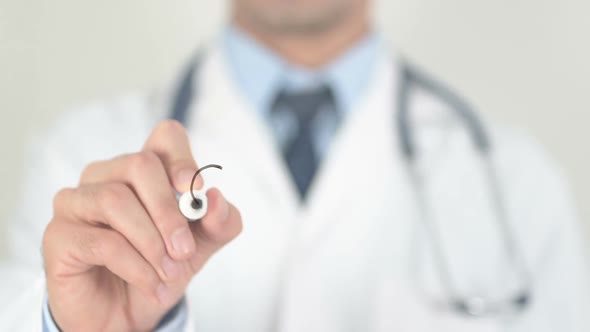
[61,199]
[109,246]
[89,244]
[168,214]
[48,245]
[152,246]
[146,276]
[106,244]
[88,171]
[49,236]
[113,196]
[141,161]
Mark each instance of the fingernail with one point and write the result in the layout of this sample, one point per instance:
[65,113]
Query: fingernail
[164,294]
[184,178]
[171,268]
[183,242]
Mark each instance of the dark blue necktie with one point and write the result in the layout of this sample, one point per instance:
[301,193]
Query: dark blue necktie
[299,151]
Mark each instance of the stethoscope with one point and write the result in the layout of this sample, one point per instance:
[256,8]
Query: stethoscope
[411,78]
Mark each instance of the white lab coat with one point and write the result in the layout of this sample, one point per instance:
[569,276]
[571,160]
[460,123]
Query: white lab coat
[356,258]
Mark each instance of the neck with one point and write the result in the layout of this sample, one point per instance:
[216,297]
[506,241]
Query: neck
[310,50]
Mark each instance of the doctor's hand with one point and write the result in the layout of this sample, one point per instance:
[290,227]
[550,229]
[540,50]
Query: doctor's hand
[118,252]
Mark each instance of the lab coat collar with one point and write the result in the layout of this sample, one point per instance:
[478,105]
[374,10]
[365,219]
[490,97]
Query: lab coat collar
[355,165]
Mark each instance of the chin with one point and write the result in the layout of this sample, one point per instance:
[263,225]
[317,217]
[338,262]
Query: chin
[294,16]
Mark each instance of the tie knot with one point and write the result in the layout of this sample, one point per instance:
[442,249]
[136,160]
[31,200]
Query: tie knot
[305,105]
[300,120]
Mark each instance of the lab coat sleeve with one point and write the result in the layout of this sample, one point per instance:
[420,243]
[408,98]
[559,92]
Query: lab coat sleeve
[551,235]
[174,321]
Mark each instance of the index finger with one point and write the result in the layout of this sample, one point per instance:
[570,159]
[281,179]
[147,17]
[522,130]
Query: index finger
[170,142]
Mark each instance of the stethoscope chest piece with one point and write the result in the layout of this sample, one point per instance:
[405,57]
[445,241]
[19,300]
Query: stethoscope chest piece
[193,203]
[193,208]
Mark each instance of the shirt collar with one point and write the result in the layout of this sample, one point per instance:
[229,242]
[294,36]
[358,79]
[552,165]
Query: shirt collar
[260,72]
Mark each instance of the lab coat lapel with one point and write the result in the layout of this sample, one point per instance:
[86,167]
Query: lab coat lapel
[357,223]
[361,158]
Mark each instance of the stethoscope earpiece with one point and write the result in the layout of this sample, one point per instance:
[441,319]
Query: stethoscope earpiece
[193,203]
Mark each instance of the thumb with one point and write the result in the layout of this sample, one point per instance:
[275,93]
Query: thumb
[221,224]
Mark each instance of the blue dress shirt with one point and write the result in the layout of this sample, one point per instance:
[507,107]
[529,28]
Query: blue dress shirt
[260,74]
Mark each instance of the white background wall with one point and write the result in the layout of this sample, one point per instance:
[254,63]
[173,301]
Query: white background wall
[524,62]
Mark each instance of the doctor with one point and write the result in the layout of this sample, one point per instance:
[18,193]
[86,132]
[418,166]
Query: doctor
[356,195]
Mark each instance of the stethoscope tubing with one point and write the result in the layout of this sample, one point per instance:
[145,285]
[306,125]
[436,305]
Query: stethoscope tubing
[411,78]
